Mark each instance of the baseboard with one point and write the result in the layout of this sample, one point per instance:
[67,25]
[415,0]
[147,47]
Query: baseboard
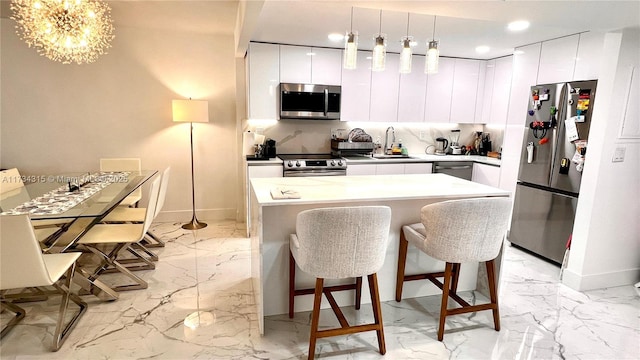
[600,281]
[185,215]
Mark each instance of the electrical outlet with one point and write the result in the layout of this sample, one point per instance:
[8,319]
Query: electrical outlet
[618,154]
[260,130]
[423,135]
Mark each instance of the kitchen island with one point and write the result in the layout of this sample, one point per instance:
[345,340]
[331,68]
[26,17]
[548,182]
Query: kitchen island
[272,220]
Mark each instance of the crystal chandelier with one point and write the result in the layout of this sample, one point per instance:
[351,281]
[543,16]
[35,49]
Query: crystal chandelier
[65,30]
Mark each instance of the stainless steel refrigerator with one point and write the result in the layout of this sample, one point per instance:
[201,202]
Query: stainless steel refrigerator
[553,155]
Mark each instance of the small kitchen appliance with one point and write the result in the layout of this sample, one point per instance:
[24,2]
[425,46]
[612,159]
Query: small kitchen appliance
[455,145]
[441,146]
[270,149]
[310,101]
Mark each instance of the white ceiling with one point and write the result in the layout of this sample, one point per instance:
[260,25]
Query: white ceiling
[460,25]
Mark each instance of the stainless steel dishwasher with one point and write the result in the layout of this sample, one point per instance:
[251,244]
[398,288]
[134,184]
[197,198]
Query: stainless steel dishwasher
[461,169]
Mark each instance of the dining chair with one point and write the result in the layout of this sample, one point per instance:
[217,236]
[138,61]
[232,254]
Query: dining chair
[23,265]
[339,243]
[123,214]
[107,240]
[136,215]
[124,164]
[457,231]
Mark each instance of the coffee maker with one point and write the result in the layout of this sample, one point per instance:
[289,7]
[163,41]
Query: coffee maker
[270,148]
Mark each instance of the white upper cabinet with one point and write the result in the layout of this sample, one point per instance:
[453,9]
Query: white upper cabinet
[490,73]
[263,78]
[306,65]
[326,66]
[525,73]
[589,56]
[557,60]
[501,91]
[482,76]
[295,64]
[412,92]
[439,89]
[465,91]
[356,90]
[384,91]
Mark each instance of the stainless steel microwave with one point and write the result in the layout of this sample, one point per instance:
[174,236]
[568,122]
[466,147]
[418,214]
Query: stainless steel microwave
[309,101]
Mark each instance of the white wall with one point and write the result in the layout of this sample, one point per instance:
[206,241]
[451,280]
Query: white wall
[59,118]
[605,249]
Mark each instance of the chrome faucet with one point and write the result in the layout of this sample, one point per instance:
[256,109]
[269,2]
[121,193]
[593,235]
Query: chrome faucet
[386,138]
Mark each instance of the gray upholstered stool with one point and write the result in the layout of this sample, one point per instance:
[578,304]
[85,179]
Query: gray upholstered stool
[457,231]
[339,243]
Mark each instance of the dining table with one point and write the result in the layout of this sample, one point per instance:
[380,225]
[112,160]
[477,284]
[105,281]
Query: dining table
[79,200]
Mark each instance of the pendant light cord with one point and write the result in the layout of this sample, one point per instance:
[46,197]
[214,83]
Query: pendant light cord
[351,31]
[380,29]
[434,27]
[408,24]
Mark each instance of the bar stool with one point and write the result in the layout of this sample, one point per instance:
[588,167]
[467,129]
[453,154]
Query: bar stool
[457,231]
[339,243]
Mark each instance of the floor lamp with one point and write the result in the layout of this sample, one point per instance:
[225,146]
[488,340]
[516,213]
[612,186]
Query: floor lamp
[191,111]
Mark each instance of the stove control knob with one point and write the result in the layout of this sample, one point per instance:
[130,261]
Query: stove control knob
[298,163]
[333,163]
[290,164]
[339,162]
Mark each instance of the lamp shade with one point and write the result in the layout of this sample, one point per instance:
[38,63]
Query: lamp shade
[190,110]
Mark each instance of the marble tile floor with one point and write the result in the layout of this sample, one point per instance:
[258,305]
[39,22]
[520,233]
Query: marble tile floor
[541,319]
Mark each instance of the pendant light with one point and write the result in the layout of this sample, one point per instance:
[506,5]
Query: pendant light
[405,53]
[431,65]
[351,47]
[379,49]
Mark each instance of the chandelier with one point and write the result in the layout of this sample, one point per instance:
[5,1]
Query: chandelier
[64,30]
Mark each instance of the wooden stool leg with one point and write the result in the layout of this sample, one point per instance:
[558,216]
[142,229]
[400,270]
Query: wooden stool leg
[491,273]
[445,299]
[456,276]
[402,262]
[377,311]
[358,292]
[315,317]
[292,283]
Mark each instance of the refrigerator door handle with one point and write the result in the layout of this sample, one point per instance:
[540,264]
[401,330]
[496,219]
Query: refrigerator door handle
[554,153]
[560,117]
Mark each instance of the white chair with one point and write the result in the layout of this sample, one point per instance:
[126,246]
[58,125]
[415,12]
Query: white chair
[136,215]
[457,231]
[107,240]
[124,164]
[338,243]
[23,265]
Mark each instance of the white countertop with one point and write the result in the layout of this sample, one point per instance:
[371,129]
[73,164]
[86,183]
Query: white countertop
[332,189]
[418,158]
[415,158]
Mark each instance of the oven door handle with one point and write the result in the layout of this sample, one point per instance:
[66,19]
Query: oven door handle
[314,173]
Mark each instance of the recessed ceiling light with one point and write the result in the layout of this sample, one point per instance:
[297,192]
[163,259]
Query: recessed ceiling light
[413,43]
[518,25]
[482,49]
[311,54]
[336,37]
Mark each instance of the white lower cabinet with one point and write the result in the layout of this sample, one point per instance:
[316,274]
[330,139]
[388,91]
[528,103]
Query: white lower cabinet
[389,169]
[486,174]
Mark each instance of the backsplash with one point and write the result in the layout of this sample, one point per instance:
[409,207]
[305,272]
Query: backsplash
[313,136]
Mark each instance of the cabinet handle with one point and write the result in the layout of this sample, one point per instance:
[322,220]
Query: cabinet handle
[453,167]
[326,101]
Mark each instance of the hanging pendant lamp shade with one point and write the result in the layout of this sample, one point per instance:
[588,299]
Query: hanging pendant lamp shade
[351,48]
[406,53]
[431,65]
[433,54]
[379,49]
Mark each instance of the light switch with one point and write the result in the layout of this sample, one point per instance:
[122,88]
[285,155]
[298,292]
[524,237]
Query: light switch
[618,154]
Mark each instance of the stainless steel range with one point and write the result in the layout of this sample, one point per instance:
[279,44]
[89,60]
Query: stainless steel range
[313,165]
